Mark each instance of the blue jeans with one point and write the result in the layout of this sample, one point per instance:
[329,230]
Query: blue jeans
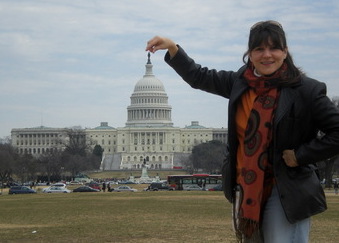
[276,228]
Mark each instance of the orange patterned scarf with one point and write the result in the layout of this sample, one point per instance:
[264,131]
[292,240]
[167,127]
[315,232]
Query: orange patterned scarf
[256,176]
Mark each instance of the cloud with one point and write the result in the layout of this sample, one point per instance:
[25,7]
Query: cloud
[76,62]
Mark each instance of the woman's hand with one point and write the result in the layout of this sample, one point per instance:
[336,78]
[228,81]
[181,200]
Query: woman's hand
[289,158]
[162,43]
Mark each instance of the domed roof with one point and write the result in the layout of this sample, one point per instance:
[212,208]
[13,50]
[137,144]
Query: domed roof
[104,125]
[195,125]
[149,82]
[149,102]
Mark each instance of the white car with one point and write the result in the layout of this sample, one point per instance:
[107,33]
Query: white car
[59,184]
[56,189]
[193,188]
[62,185]
[123,189]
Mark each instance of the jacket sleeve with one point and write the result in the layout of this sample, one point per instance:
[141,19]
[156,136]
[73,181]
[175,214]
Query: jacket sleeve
[209,80]
[325,117]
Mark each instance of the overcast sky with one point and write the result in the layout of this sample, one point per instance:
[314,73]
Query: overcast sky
[75,63]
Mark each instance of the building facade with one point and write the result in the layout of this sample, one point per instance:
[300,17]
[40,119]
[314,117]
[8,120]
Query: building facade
[148,136]
[39,140]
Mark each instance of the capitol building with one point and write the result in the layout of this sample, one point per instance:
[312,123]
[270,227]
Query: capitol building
[149,134]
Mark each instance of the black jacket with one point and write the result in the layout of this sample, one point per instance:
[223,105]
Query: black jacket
[303,110]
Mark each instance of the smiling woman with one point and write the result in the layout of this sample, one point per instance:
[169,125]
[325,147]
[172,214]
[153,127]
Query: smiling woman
[265,169]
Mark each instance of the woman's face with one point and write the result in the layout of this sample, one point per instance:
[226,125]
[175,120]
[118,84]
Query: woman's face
[267,58]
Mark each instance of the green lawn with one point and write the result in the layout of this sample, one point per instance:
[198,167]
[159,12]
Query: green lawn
[133,217]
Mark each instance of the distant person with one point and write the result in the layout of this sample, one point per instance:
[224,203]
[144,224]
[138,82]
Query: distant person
[274,115]
[336,187]
[108,187]
[103,186]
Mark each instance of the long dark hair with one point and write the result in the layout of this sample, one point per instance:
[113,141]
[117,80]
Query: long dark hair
[271,33]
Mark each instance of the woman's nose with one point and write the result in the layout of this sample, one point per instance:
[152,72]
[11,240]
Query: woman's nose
[267,52]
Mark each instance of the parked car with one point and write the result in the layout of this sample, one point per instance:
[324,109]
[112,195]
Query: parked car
[75,183]
[94,185]
[123,189]
[20,190]
[193,188]
[126,182]
[158,186]
[56,189]
[216,188]
[61,185]
[10,184]
[85,189]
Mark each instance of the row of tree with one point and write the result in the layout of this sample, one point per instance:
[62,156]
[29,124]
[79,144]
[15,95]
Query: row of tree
[52,166]
[78,157]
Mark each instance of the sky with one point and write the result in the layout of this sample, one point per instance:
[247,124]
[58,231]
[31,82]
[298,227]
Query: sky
[75,63]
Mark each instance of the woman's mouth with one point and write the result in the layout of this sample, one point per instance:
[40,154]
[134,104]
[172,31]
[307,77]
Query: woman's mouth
[267,63]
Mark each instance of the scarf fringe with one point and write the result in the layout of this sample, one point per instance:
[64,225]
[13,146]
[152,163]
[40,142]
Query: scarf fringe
[248,231]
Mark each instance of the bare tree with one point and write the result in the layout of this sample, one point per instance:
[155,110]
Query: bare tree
[50,165]
[78,155]
[208,156]
[23,167]
[327,168]
[77,143]
[7,159]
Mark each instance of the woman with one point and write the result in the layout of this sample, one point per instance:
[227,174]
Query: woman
[274,116]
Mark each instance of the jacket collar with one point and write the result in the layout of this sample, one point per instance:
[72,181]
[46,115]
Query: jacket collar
[286,99]
[240,86]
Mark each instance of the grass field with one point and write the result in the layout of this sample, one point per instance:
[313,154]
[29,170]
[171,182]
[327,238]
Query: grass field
[177,216]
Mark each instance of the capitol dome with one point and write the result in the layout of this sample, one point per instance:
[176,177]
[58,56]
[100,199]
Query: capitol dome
[149,102]
[150,83]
